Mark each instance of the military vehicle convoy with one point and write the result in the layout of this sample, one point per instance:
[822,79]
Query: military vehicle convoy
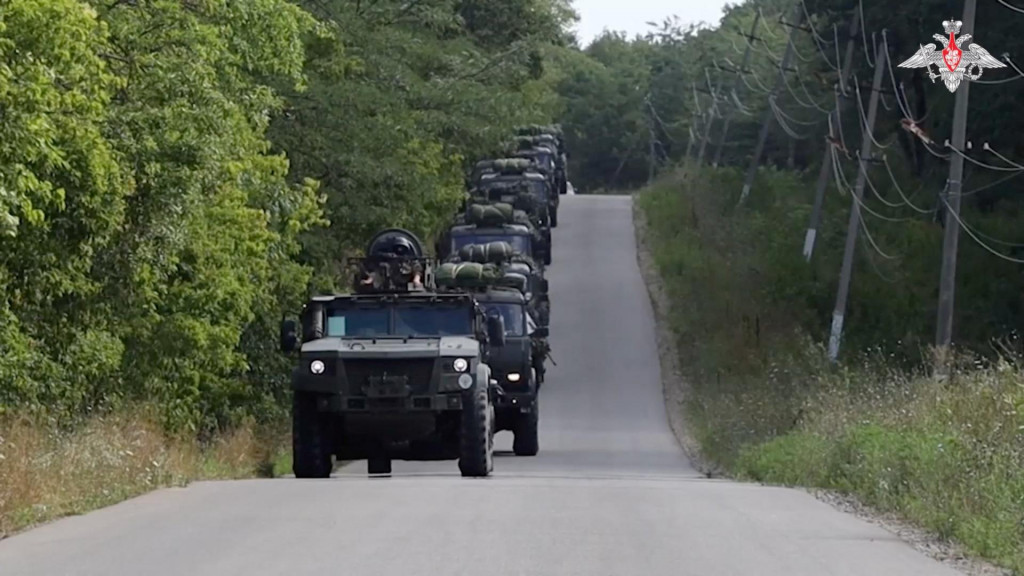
[444,351]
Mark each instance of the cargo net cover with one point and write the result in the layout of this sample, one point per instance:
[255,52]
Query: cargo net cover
[485,265]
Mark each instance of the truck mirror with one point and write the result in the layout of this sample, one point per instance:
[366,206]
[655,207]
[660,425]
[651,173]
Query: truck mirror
[544,285]
[289,337]
[496,330]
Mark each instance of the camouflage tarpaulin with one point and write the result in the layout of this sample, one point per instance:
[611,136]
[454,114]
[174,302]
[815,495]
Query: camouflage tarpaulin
[492,252]
[467,274]
[490,214]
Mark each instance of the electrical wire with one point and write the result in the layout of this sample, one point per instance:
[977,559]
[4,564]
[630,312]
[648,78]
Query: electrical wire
[899,190]
[1020,74]
[988,148]
[841,175]
[794,120]
[1010,6]
[863,33]
[979,162]
[839,121]
[743,78]
[991,184]
[839,62]
[782,122]
[811,106]
[871,259]
[764,24]
[973,235]
[865,129]
[903,103]
[739,105]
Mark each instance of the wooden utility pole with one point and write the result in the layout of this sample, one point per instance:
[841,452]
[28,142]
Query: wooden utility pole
[735,86]
[826,161]
[853,228]
[769,115]
[951,237]
[651,146]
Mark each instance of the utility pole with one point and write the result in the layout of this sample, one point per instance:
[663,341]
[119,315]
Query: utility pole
[826,160]
[766,123]
[951,237]
[710,118]
[651,147]
[854,226]
[735,85]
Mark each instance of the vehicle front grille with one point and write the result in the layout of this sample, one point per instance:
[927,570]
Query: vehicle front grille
[418,370]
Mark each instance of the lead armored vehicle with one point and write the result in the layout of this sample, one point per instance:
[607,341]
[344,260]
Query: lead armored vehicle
[392,364]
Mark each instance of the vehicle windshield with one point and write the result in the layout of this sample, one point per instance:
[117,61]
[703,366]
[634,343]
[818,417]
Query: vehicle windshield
[514,314]
[402,320]
[433,321]
[520,242]
[358,322]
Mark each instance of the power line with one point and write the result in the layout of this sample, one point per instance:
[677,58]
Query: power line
[979,162]
[1010,6]
[972,234]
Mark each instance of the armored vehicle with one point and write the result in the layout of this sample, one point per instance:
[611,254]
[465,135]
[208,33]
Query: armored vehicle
[520,182]
[394,363]
[482,224]
[546,134]
[513,265]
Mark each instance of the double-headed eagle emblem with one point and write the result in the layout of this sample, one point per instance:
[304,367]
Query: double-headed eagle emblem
[953,64]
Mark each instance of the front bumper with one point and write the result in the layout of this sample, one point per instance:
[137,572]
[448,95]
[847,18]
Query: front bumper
[415,403]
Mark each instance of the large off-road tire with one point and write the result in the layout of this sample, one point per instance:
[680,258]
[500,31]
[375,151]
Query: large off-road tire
[527,440]
[311,441]
[554,217]
[476,437]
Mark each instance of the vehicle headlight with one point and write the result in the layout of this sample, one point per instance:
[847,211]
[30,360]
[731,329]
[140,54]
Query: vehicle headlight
[513,377]
[317,367]
[460,365]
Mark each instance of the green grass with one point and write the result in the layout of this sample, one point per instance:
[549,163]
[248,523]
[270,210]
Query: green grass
[947,455]
[47,473]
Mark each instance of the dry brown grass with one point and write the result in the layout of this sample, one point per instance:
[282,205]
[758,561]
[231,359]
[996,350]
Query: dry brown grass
[47,473]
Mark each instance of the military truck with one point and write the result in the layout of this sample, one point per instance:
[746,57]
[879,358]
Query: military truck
[546,134]
[499,222]
[515,265]
[515,366]
[520,182]
[393,363]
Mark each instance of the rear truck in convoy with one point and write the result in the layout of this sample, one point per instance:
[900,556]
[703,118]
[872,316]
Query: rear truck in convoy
[392,364]
[500,222]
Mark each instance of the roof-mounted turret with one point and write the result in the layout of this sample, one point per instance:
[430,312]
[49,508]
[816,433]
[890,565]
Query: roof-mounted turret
[394,263]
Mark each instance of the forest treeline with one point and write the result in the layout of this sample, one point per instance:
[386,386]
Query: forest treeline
[177,174]
[630,89]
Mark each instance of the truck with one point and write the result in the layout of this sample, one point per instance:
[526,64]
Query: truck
[390,364]
[518,368]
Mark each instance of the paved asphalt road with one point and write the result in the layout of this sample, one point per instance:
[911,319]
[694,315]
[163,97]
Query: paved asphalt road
[610,493]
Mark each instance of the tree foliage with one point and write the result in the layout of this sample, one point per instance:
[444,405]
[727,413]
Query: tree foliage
[174,176]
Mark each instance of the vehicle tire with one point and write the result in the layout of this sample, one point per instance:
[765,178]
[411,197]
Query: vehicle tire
[476,437]
[554,218]
[527,440]
[378,465]
[311,453]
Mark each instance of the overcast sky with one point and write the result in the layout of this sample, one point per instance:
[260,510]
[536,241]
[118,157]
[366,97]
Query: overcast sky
[629,15]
